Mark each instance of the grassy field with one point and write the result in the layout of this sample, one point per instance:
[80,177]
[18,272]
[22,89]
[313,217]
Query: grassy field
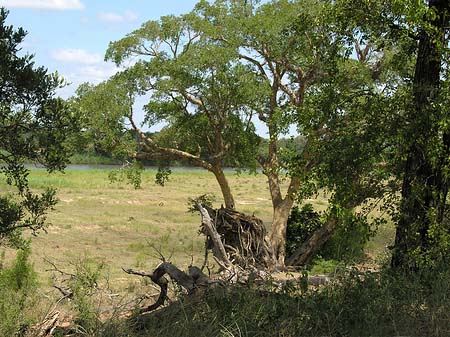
[120,226]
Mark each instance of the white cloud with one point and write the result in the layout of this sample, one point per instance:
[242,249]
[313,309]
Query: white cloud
[80,56]
[111,17]
[98,73]
[89,73]
[43,4]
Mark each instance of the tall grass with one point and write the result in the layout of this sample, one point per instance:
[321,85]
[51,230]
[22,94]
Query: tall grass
[355,304]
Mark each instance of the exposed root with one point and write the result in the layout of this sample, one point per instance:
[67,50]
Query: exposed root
[242,237]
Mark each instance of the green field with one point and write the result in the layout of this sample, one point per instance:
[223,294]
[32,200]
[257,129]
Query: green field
[117,226]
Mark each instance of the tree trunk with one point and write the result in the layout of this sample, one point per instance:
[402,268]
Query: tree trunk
[277,236]
[224,187]
[303,254]
[151,150]
[424,188]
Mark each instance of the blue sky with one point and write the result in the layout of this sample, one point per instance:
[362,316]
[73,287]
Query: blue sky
[71,36]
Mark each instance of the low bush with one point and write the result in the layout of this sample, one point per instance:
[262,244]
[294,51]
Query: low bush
[354,304]
[17,294]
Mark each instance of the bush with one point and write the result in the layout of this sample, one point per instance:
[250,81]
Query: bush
[17,287]
[346,244]
[356,304]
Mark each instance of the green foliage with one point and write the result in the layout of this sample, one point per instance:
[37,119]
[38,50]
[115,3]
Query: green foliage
[195,86]
[130,172]
[162,176]
[347,243]
[356,304]
[302,222]
[34,127]
[28,212]
[92,158]
[17,288]
[204,199]
[84,286]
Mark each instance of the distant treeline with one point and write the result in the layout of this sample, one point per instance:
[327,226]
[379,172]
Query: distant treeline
[92,153]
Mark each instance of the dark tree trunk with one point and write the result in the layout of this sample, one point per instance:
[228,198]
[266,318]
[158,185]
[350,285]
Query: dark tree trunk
[424,188]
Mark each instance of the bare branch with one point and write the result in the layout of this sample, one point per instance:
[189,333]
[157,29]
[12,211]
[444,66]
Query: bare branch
[218,249]
[256,63]
[152,149]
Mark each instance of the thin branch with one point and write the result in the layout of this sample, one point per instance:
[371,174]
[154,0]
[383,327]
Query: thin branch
[256,63]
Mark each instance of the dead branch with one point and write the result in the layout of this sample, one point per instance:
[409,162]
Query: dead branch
[65,291]
[190,282]
[47,326]
[217,244]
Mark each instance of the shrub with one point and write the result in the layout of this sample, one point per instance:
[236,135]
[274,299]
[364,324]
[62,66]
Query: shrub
[17,286]
[347,243]
[356,304]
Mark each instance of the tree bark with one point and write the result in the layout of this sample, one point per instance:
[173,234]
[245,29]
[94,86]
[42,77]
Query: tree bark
[303,254]
[151,150]
[277,235]
[281,205]
[224,187]
[424,188]
[218,248]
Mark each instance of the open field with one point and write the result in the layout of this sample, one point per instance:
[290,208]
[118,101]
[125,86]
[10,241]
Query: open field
[118,225]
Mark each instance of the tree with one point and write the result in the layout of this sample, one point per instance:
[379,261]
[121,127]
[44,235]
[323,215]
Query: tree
[299,53]
[422,235]
[34,127]
[195,88]
[211,71]
[411,102]
[329,68]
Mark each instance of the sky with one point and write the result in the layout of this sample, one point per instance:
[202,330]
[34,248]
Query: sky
[71,36]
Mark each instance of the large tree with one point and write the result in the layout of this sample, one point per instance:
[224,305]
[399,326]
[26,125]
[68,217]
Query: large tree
[195,88]
[409,42]
[211,71]
[34,127]
[303,57]
[328,68]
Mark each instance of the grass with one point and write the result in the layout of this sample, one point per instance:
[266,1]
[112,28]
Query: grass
[355,304]
[117,224]
[121,226]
